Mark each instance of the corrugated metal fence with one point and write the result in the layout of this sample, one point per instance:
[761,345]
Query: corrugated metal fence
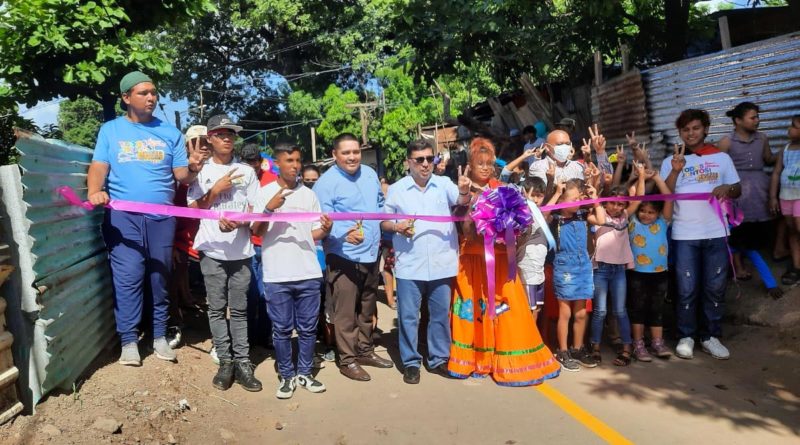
[766,73]
[64,291]
[619,108]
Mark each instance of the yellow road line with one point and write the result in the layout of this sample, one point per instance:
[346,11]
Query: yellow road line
[602,430]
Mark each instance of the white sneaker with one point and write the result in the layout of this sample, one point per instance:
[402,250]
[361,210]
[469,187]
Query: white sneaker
[685,348]
[213,354]
[286,388]
[310,383]
[716,349]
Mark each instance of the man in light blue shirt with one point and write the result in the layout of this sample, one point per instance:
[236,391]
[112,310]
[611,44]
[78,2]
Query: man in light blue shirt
[426,257]
[351,256]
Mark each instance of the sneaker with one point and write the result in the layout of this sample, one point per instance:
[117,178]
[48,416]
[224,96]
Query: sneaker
[567,362]
[243,375]
[685,348]
[584,357]
[329,355]
[173,336]
[163,351]
[716,349]
[640,351]
[310,383]
[213,354]
[286,388]
[130,355]
[224,377]
[659,348]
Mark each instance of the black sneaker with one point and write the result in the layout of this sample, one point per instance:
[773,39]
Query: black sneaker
[224,378]
[567,362]
[244,376]
[584,357]
[411,375]
[310,383]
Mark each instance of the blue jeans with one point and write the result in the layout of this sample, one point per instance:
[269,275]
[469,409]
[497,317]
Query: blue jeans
[701,269]
[409,299]
[610,278]
[140,253]
[258,324]
[294,305]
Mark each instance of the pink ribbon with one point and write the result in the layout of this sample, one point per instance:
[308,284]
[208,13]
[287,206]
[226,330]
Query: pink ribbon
[721,208]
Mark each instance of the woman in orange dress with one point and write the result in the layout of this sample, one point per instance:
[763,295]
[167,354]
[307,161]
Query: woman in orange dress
[507,347]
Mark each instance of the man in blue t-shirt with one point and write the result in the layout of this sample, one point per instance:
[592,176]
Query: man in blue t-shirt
[138,158]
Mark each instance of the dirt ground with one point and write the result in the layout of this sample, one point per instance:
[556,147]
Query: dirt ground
[752,398]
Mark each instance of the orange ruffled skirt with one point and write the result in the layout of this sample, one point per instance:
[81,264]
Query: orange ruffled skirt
[508,347]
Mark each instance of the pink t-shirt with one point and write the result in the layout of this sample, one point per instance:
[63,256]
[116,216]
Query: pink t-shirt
[612,245]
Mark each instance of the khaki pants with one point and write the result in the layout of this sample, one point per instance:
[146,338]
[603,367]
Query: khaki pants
[353,291]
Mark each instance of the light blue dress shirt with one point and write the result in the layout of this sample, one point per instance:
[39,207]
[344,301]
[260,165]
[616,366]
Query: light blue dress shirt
[339,191]
[432,254]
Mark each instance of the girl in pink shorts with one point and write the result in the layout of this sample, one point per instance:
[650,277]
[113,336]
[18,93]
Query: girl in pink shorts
[786,178]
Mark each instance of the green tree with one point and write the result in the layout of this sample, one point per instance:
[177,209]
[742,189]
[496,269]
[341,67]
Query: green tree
[79,121]
[71,48]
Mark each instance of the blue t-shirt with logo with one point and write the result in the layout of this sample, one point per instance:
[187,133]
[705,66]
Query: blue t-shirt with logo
[141,157]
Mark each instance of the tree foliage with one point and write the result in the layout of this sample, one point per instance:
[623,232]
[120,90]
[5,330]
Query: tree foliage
[71,48]
[79,121]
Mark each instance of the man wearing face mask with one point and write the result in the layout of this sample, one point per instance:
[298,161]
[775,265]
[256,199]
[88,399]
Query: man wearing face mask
[558,160]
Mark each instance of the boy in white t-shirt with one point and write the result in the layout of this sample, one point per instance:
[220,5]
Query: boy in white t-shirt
[292,274]
[699,237]
[226,251]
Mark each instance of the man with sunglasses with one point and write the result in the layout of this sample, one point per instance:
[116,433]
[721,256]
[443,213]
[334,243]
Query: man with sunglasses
[426,257]
[138,158]
[351,256]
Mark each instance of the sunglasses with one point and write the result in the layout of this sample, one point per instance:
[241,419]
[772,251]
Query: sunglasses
[422,159]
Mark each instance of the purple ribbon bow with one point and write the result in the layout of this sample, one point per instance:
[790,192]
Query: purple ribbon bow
[500,214]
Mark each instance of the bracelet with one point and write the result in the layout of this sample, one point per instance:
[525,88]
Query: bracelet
[463,194]
[268,211]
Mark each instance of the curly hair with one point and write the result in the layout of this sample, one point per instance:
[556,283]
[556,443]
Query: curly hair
[481,145]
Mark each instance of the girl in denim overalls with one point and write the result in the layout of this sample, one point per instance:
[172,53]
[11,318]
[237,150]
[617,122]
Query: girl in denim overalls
[572,270]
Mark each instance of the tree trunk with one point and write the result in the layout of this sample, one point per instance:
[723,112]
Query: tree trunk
[109,103]
[676,32]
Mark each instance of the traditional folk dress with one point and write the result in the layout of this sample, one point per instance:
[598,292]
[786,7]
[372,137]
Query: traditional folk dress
[508,348]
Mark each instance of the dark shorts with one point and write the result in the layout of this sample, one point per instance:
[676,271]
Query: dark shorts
[645,299]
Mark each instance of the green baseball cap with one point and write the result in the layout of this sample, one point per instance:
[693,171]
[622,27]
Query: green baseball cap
[131,80]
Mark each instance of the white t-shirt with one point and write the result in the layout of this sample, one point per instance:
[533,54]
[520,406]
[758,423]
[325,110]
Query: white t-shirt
[570,170]
[219,245]
[288,252]
[694,220]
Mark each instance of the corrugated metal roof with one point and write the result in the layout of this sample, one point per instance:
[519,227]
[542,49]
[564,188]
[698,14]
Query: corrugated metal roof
[619,108]
[67,290]
[766,73]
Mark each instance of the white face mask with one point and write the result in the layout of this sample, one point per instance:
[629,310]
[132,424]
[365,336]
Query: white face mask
[561,152]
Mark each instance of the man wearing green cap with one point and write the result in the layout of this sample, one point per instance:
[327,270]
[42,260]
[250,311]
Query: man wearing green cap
[138,158]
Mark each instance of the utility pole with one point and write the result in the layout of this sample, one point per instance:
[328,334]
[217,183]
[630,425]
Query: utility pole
[364,116]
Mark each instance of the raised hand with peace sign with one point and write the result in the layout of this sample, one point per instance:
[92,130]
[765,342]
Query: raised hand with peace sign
[278,199]
[226,182]
[597,139]
[678,158]
[464,182]
[198,153]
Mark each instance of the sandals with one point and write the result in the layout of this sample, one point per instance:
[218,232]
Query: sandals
[623,359]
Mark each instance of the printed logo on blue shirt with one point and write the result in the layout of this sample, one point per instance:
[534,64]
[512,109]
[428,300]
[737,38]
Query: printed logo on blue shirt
[146,150]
